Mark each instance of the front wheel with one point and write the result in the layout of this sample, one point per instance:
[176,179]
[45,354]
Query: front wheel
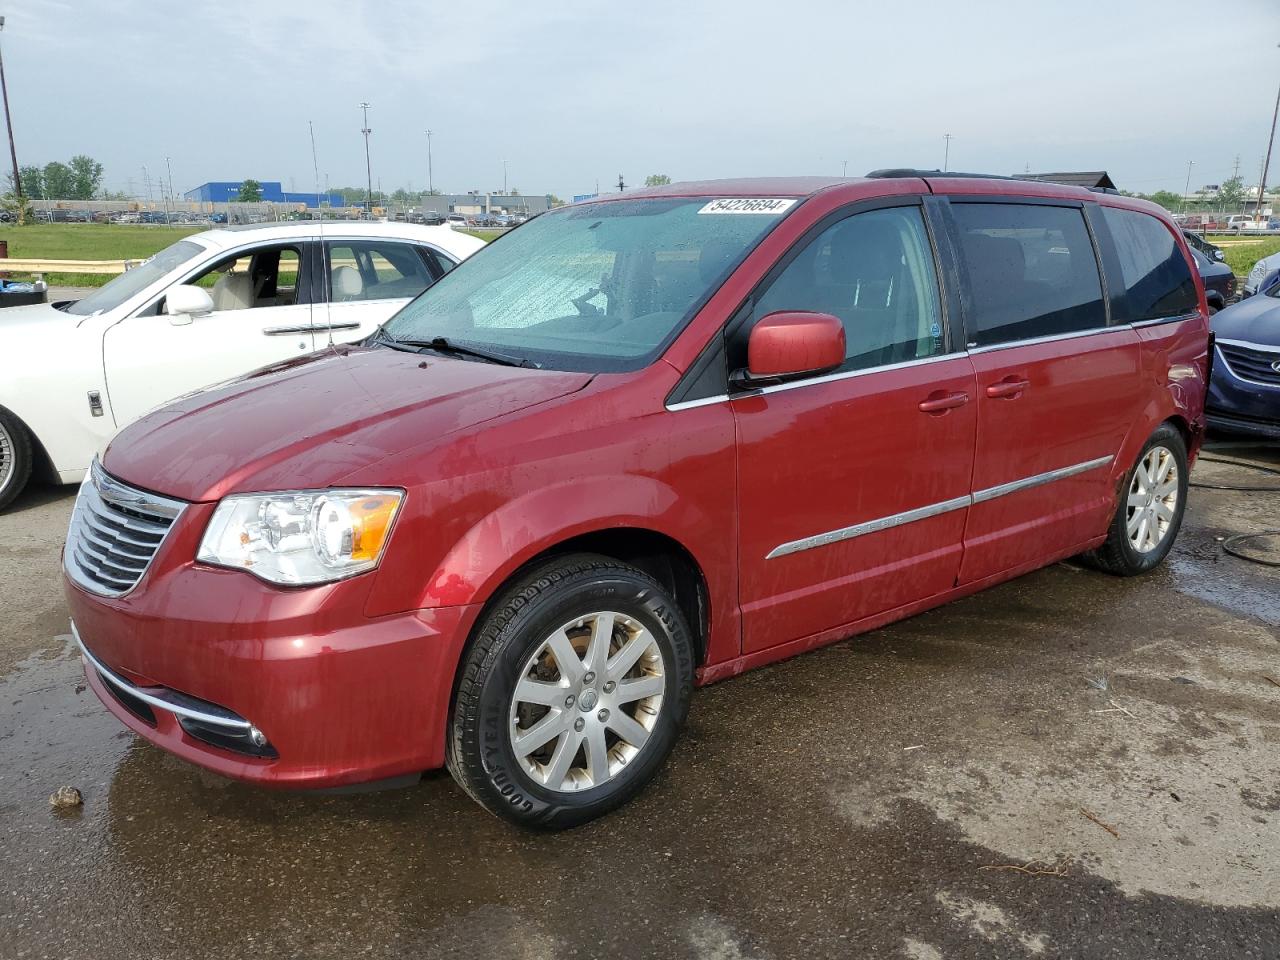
[572,694]
[1151,507]
[15,457]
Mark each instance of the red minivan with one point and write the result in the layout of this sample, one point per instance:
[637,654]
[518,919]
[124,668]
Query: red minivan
[635,445]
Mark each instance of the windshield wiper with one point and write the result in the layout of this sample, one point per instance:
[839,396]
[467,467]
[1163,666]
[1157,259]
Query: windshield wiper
[381,336]
[445,345]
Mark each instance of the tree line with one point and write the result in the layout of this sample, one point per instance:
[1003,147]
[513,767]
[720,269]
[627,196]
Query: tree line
[80,178]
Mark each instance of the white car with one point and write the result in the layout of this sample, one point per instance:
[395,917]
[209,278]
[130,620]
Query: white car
[208,308]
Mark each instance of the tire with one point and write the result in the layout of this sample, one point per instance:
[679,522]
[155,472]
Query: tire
[574,602]
[1133,547]
[15,457]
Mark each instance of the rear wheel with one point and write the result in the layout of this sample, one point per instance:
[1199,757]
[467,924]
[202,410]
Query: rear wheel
[573,693]
[15,457]
[1151,507]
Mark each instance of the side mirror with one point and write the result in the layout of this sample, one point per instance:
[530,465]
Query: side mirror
[790,344]
[185,302]
[1219,255]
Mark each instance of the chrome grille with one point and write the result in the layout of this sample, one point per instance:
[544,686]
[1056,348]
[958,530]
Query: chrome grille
[1251,362]
[115,531]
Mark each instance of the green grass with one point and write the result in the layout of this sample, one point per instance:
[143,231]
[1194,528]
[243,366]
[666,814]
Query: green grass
[488,236]
[87,241]
[1243,252]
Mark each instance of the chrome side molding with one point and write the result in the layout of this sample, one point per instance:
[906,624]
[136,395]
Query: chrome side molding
[935,509]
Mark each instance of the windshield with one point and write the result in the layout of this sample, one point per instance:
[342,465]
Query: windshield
[117,291]
[598,287]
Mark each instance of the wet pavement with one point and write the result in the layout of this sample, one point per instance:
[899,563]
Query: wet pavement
[1069,765]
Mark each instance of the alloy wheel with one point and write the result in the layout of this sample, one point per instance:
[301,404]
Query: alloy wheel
[1153,499]
[6,458]
[586,701]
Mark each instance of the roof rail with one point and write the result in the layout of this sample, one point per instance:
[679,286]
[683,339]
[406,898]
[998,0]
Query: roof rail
[890,173]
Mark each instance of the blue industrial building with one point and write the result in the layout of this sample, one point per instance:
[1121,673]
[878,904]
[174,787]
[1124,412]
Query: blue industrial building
[228,191]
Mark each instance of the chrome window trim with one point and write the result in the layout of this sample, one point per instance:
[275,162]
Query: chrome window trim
[169,701]
[935,509]
[1156,321]
[1051,338]
[826,378]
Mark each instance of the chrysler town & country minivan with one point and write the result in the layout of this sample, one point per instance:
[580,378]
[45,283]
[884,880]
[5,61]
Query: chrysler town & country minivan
[635,445]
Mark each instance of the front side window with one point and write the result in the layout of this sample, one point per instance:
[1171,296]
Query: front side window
[115,292]
[1032,271]
[596,287]
[1157,281]
[376,270]
[874,271]
[251,279]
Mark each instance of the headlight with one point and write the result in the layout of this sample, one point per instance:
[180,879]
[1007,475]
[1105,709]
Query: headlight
[301,536]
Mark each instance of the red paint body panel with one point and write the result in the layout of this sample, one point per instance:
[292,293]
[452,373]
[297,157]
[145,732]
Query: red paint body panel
[352,681]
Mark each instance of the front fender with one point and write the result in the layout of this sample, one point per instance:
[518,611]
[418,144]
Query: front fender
[520,529]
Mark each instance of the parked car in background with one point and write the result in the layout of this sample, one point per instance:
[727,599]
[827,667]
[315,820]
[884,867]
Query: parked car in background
[1263,275]
[1239,224]
[1244,391]
[210,307]
[1210,250]
[1219,281]
[642,442]
[456,220]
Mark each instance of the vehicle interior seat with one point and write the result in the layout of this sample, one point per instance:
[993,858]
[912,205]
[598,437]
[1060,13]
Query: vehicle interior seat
[347,283]
[233,291]
[861,283]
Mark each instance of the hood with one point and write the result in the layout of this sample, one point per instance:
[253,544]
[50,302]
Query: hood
[1256,320]
[310,422]
[32,325]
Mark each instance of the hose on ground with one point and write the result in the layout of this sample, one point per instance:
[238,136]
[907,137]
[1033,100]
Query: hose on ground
[1230,544]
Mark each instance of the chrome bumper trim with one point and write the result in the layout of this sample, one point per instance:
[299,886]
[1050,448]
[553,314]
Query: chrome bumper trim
[168,700]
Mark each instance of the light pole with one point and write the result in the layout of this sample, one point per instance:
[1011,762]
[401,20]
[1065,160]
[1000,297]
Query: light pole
[1262,184]
[504,178]
[8,122]
[172,199]
[431,180]
[946,152]
[844,168]
[1187,189]
[368,166]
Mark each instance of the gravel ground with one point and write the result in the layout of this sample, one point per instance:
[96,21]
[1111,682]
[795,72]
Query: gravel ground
[1069,765]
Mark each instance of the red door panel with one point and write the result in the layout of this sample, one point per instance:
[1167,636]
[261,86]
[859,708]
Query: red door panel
[853,452]
[1049,416]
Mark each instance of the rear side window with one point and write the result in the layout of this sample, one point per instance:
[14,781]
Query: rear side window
[1157,281]
[874,271]
[1032,271]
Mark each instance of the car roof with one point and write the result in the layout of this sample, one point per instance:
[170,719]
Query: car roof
[234,236]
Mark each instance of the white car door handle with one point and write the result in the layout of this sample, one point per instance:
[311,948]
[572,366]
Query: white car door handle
[309,328]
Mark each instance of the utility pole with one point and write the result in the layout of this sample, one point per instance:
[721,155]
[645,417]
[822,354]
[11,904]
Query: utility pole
[431,180]
[946,152]
[844,168]
[1262,181]
[504,178]
[368,166]
[172,199]
[1187,189]
[621,186]
[8,122]
[1235,172]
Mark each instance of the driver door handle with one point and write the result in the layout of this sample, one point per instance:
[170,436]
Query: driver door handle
[942,403]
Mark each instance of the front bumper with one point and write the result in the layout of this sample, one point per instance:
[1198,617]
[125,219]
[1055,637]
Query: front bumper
[336,698]
[1239,404]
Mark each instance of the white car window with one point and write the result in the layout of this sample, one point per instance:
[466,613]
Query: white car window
[115,292]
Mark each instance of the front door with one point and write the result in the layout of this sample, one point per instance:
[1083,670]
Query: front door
[1057,388]
[853,486]
[262,315]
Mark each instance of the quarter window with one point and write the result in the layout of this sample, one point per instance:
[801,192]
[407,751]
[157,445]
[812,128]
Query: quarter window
[875,272]
[1032,271]
[1157,281]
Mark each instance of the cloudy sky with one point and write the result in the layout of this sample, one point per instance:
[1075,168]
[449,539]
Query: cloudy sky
[570,93]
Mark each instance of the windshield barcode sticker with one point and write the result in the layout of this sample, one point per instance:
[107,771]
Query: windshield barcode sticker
[769,205]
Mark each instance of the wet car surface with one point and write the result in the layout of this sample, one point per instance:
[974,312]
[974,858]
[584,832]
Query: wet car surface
[1069,764]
